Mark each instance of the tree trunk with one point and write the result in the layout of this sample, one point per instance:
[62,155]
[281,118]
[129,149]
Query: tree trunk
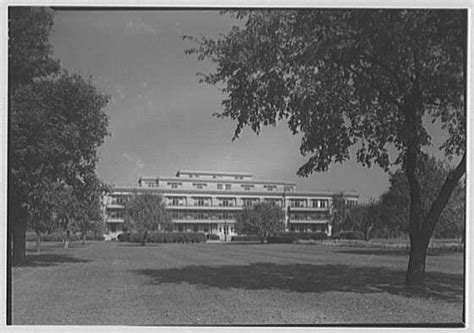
[421,228]
[415,274]
[66,241]
[144,239]
[18,224]
[83,238]
[38,242]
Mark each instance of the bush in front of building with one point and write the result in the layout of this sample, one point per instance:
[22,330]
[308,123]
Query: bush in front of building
[212,237]
[161,237]
[350,235]
[291,237]
[53,237]
[246,238]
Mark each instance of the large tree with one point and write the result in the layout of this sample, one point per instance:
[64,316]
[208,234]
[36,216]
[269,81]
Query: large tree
[146,213]
[29,57]
[262,220]
[368,78]
[56,125]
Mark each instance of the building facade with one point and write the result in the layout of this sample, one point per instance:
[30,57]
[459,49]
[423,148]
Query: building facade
[208,201]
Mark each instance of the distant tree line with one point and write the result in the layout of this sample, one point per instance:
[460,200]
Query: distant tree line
[388,217]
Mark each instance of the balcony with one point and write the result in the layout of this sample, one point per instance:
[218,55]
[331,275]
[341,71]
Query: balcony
[114,220]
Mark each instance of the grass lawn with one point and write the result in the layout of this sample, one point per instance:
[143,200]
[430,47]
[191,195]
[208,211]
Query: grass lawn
[230,284]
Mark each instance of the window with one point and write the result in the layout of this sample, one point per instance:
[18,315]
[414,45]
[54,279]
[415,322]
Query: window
[228,186]
[227,202]
[270,187]
[297,203]
[177,215]
[199,186]
[247,202]
[288,188]
[272,201]
[201,202]
[228,215]
[219,186]
[323,203]
[247,187]
[175,202]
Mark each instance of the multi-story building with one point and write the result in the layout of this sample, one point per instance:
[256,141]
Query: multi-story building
[208,201]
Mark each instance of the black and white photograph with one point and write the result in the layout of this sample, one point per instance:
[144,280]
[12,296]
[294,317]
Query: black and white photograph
[211,167]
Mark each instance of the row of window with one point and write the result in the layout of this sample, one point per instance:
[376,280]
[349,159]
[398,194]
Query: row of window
[202,215]
[313,203]
[222,202]
[186,227]
[302,227]
[116,214]
[191,175]
[200,186]
[316,216]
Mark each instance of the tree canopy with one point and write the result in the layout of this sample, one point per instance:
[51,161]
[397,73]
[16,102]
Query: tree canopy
[147,212]
[362,78]
[394,203]
[29,50]
[262,220]
[343,77]
[57,121]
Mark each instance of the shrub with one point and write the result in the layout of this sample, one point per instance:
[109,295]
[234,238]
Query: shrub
[351,235]
[53,237]
[290,237]
[281,239]
[123,237]
[247,238]
[212,237]
[160,237]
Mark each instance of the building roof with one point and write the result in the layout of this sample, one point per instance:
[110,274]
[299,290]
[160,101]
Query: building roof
[231,192]
[213,173]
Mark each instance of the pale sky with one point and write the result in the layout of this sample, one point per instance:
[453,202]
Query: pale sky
[161,117]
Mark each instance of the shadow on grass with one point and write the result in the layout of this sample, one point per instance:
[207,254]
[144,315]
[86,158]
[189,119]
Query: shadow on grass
[395,252]
[310,278]
[48,259]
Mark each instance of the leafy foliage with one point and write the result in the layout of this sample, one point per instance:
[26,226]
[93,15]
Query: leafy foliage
[57,123]
[146,213]
[160,237]
[340,212]
[342,77]
[364,218]
[262,220]
[366,78]
[89,217]
[29,50]
[395,202]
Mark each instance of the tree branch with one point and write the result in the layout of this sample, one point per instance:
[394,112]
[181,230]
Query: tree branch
[445,193]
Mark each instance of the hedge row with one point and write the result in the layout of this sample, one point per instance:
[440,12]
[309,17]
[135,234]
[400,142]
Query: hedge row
[54,237]
[357,235]
[61,236]
[212,237]
[291,237]
[159,237]
[248,238]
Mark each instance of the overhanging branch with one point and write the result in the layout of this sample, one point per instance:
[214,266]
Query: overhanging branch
[445,193]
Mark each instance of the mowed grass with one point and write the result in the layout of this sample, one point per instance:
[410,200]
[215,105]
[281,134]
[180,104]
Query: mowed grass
[230,284]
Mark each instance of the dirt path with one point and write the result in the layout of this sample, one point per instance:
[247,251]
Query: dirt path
[227,284]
